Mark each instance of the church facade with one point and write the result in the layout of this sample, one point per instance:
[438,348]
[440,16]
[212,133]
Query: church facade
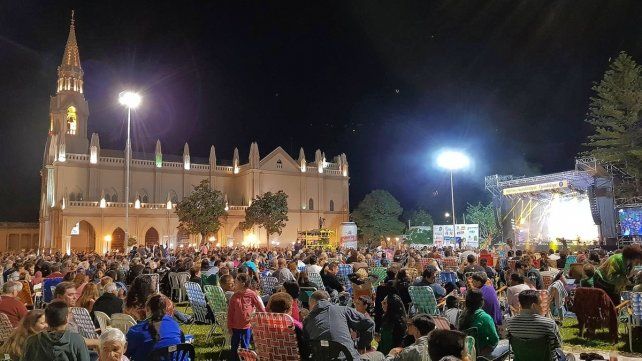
[82,190]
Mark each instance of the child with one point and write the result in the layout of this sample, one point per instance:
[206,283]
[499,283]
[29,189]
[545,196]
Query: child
[452,311]
[242,305]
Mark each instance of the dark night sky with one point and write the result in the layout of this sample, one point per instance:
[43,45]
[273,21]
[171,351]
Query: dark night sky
[388,83]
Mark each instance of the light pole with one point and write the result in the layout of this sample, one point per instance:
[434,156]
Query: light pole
[453,160]
[131,100]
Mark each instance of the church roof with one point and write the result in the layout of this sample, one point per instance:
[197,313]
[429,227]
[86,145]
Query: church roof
[71,57]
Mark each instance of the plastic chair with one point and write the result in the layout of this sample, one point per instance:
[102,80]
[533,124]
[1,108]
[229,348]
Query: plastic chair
[268,285]
[6,328]
[103,320]
[180,352]
[531,349]
[635,318]
[469,347]
[155,280]
[197,301]
[326,350]
[423,299]
[275,337]
[122,321]
[176,283]
[86,326]
[247,355]
[316,279]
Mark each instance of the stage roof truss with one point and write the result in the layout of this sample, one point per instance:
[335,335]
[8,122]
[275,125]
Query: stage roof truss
[578,182]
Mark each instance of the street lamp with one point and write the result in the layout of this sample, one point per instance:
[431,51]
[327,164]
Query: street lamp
[131,100]
[452,160]
[446,214]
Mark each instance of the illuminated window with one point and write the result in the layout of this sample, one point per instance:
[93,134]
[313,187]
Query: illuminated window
[72,120]
[331,206]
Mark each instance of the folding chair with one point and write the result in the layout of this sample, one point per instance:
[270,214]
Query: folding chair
[381,273]
[545,302]
[268,285]
[469,347]
[86,326]
[25,295]
[180,352]
[247,355]
[547,281]
[449,263]
[448,277]
[423,299]
[274,337]
[218,303]
[569,261]
[103,320]
[531,349]
[5,327]
[424,262]
[635,317]
[441,323]
[122,321]
[344,271]
[196,299]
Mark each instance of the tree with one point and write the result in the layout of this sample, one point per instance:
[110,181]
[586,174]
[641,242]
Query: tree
[269,211]
[614,111]
[484,216]
[419,217]
[201,211]
[378,215]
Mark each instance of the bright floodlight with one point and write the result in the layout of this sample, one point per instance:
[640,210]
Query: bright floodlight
[129,99]
[453,160]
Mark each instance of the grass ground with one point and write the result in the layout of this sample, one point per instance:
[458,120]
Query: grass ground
[212,350]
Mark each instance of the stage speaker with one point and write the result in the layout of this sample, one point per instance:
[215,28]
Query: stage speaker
[595,211]
[611,241]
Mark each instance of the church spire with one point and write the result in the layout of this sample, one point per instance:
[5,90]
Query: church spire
[69,72]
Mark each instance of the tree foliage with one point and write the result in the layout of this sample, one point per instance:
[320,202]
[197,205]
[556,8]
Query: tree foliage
[201,212]
[484,216]
[419,217]
[269,211]
[614,112]
[377,215]
[420,235]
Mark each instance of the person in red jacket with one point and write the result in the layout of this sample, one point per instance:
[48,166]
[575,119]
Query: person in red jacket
[242,305]
[10,305]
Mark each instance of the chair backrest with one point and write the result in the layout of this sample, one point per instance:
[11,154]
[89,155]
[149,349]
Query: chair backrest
[449,262]
[182,278]
[547,280]
[180,352]
[305,293]
[326,350]
[122,321]
[211,280]
[197,301]
[345,269]
[472,332]
[48,288]
[247,355]
[488,257]
[545,298]
[5,327]
[380,272]
[173,280]
[424,299]
[316,279]
[216,298]
[25,295]
[636,304]
[268,285]
[301,268]
[469,348]
[103,320]
[448,277]
[155,280]
[275,337]
[531,349]
[86,326]
[441,323]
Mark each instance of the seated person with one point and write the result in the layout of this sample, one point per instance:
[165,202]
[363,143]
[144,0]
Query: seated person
[445,343]
[281,302]
[10,305]
[474,316]
[157,331]
[529,324]
[452,310]
[429,278]
[589,272]
[57,343]
[418,327]
[491,302]
[113,345]
[516,286]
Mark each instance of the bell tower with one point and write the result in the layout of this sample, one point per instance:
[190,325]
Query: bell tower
[68,109]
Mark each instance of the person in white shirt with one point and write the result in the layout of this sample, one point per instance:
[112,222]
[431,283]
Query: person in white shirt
[517,285]
[313,267]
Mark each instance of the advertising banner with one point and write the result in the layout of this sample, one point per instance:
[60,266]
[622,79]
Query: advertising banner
[466,234]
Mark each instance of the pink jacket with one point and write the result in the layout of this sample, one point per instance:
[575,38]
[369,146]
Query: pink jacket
[241,307]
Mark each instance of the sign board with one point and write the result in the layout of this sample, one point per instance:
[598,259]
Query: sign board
[466,234]
[536,187]
[348,235]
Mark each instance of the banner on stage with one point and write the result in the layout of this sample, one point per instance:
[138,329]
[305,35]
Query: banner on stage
[466,234]
[536,187]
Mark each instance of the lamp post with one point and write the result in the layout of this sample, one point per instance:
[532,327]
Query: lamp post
[453,160]
[131,100]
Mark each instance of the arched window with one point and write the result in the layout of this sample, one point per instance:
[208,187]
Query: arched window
[72,123]
[107,197]
[145,199]
[279,164]
[173,197]
[72,197]
[79,196]
[311,204]
[114,198]
[331,206]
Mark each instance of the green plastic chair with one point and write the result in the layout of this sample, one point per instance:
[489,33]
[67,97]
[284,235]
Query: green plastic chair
[423,299]
[536,349]
[211,280]
[469,347]
[217,301]
[381,273]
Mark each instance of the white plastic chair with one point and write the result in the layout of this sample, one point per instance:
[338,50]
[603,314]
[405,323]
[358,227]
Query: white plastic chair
[122,321]
[103,320]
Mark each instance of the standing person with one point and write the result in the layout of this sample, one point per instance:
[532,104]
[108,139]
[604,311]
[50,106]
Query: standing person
[393,324]
[57,343]
[242,305]
[612,275]
[10,305]
[33,323]
[157,331]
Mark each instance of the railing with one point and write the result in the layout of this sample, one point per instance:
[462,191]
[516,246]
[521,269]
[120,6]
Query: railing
[203,167]
[332,172]
[237,208]
[79,157]
[116,205]
[112,160]
[145,163]
[172,165]
[226,169]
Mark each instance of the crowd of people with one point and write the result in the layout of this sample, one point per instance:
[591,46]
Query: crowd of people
[494,296]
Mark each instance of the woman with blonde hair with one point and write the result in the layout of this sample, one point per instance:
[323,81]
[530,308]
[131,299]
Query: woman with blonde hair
[33,323]
[88,297]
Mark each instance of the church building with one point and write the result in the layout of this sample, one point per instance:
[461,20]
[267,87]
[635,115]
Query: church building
[83,186]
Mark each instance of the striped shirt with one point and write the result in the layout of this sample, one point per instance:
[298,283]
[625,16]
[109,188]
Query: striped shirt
[529,325]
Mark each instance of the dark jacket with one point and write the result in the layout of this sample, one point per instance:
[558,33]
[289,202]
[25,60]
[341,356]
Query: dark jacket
[56,346]
[331,282]
[108,303]
[332,322]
